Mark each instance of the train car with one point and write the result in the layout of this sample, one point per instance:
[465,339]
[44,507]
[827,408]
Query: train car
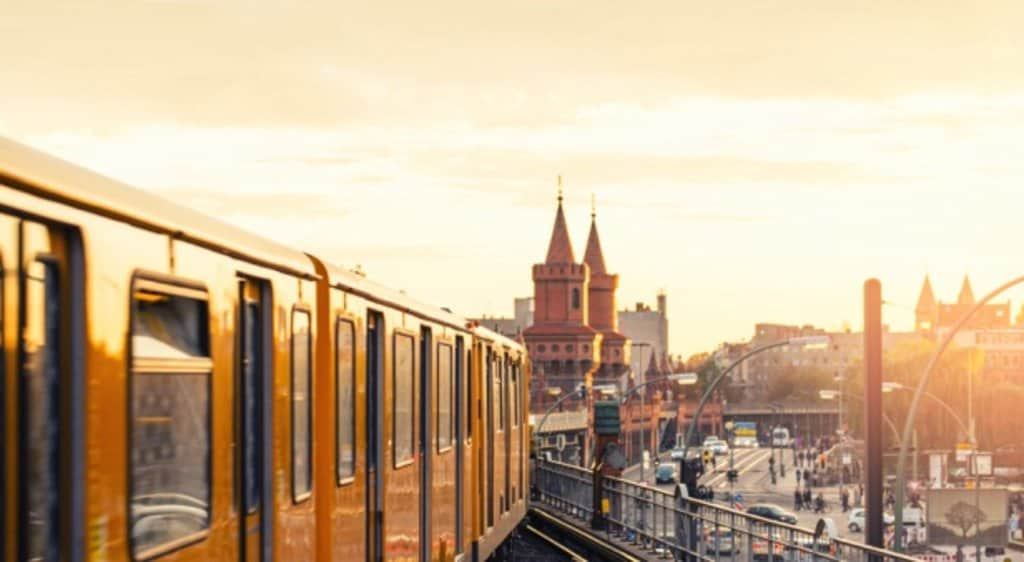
[397,387]
[156,376]
[500,455]
[174,388]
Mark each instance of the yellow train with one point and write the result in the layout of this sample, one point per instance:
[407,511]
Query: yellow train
[175,388]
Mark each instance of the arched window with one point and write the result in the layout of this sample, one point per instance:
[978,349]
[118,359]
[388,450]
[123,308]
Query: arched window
[575,299]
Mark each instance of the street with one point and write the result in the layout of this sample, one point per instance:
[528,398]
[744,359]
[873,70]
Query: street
[754,485]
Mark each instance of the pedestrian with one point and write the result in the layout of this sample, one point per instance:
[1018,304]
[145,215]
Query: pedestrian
[807,497]
[797,477]
[844,497]
[819,503]
[798,499]
[800,459]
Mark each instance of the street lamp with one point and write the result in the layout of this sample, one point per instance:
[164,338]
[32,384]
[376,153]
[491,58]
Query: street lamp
[679,378]
[889,386]
[638,373]
[901,465]
[835,395]
[580,389]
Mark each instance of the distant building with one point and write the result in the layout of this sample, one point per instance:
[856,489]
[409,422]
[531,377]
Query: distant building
[1003,351]
[932,316]
[844,349]
[511,327]
[648,329]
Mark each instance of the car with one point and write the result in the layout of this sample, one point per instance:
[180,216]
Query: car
[773,512]
[709,439]
[745,442]
[721,541]
[676,454]
[665,474]
[720,448]
[855,520]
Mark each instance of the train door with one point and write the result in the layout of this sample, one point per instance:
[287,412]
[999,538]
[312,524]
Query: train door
[40,393]
[253,384]
[374,425]
[426,449]
[491,439]
[459,436]
[506,412]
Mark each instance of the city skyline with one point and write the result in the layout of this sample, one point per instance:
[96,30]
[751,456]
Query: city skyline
[756,163]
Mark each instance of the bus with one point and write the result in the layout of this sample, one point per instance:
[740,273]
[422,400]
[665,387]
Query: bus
[781,438]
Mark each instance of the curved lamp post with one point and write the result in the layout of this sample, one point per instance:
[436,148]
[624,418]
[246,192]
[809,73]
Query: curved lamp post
[680,378]
[890,386]
[834,394]
[536,432]
[908,427]
[801,341]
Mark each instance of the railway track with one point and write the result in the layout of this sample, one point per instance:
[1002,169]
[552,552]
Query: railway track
[571,541]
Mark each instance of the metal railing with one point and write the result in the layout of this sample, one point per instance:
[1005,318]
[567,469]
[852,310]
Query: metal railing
[655,521]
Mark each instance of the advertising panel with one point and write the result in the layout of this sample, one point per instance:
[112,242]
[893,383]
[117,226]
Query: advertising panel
[745,429]
[956,516]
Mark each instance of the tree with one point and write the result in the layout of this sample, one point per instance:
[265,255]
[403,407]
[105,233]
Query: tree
[965,517]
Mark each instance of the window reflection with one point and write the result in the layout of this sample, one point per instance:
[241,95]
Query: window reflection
[170,420]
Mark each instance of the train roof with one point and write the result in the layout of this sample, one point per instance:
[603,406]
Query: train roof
[50,177]
[357,284]
[488,334]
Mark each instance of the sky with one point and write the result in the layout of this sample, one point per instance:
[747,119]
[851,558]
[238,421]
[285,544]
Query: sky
[756,160]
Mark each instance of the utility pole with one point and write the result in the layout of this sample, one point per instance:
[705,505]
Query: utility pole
[873,522]
[643,422]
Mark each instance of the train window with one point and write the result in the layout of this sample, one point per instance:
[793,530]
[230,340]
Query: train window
[346,374]
[444,396]
[39,392]
[514,389]
[302,430]
[469,395]
[169,462]
[499,390]
[404,396]
[251,367]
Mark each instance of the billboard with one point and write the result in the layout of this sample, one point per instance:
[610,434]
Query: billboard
[957,516]
[745,429]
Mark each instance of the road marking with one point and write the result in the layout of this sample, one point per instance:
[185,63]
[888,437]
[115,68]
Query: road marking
[754,459]
[742,466]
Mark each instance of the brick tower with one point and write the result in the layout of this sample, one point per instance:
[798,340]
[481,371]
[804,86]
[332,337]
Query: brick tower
[615,348]
[563,348]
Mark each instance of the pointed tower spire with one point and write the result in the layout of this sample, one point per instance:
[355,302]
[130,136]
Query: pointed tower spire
[593,256]
[560,247]
[926,302]
[966,293]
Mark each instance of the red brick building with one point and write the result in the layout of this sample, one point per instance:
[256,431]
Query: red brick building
[574,338]
[934,316]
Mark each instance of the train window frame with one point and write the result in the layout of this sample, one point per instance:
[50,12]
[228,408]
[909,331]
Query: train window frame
[135,364]
[513,373]
[397,462]
[442,348]
[347,322]
[467,371]
[499,393]
[297,310]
